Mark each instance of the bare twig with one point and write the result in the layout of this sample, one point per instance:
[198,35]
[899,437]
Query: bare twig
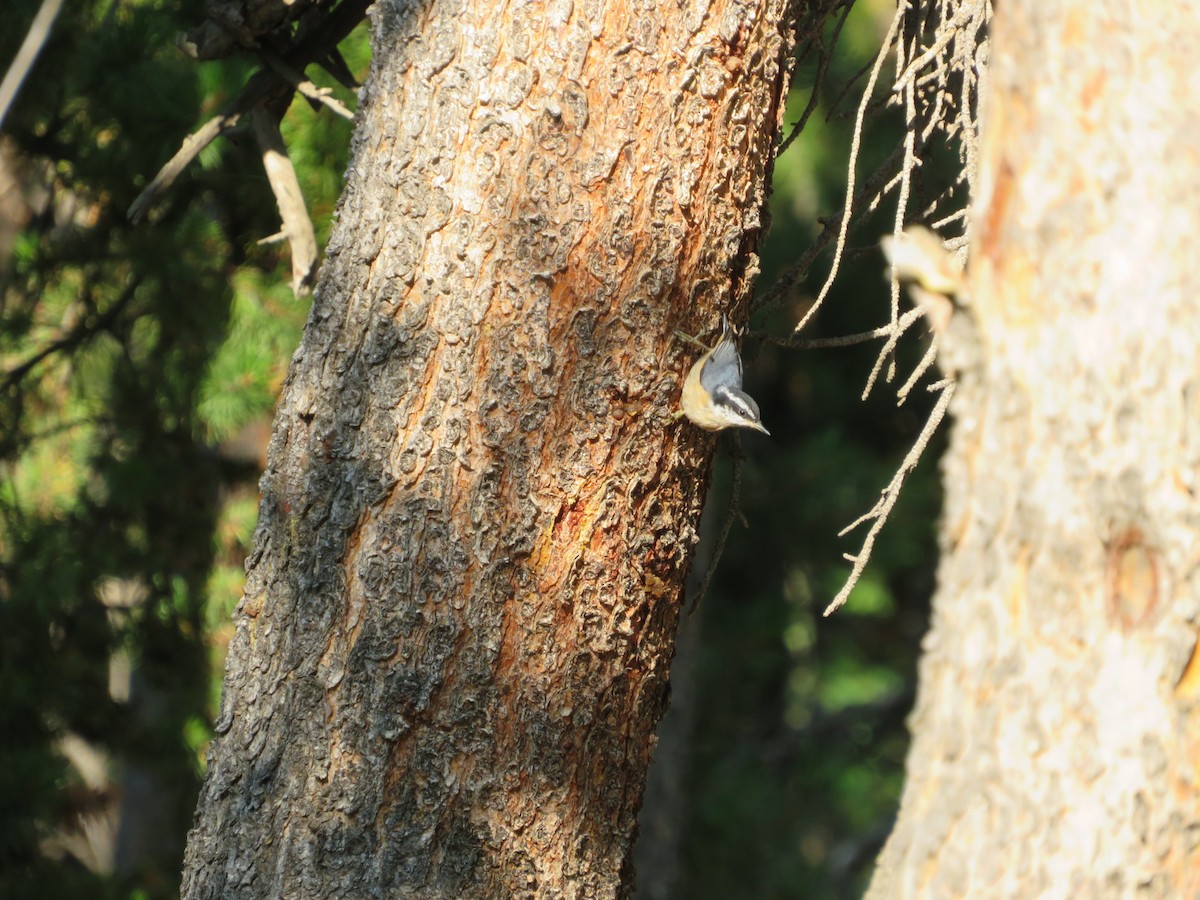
[35,40]
[192,145]
[884,352]
[878,515]
[854,148]
[297,226]
[825,54]
[938,84]
[943,37]
[923,366]
[845,92]
[799,270]
[263,88]
[846,340]
[905,178]
[305,87]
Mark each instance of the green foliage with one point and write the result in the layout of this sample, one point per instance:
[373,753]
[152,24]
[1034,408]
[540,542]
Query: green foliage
[247,370]
[139,366]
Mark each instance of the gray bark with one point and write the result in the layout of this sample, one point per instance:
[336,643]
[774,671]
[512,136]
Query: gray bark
[1057,726]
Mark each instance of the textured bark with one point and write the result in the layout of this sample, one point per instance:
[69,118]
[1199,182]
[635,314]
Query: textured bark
[477,514]
[1057,728]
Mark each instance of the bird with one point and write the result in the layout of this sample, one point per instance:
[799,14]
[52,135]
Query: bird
[712,396]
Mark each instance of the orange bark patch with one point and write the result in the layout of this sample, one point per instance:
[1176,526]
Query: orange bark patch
[1188,687]
[1132,580]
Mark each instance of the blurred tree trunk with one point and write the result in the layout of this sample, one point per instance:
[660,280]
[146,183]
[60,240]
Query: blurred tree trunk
[477,515]
[1057,727]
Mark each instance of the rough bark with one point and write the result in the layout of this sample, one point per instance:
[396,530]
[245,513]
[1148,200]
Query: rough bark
[1057,728]
[477,514]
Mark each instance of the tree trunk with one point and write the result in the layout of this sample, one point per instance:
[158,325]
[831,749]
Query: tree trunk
[1057,727]
[478,513]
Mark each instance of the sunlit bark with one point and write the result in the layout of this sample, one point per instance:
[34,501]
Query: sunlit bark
[478,513]
[1057,728]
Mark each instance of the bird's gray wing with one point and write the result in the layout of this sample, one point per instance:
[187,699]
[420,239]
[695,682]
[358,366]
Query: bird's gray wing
[723,367]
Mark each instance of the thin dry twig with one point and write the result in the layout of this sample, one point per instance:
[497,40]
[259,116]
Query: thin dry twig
[923,366]
[878,515]
[35,40]
[304,87]
[872,188]
[905,181]
[890,330]
[855,143]
[192,146]
[938,84]
[944,36]
[264,88]
[884,352]
[825,55]
[285,184]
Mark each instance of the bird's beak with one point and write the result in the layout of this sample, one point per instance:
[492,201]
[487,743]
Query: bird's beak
[758,426]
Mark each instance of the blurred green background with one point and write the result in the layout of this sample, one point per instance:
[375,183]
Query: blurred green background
[139,372]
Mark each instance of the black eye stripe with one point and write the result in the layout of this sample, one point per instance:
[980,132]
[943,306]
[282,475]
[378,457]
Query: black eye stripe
[737,401]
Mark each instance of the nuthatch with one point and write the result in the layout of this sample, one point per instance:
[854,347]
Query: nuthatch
[712,395]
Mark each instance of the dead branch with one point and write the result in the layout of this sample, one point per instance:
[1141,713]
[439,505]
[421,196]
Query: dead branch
[939,51]
[266,88]
[892,331]
[318,96]
[35,39]
[855,144]
[297,226]
[879,513]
